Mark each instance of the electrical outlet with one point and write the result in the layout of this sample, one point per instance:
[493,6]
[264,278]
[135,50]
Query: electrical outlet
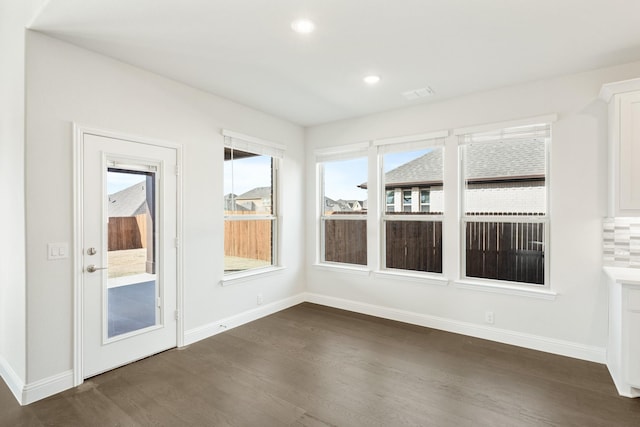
[488,317]
[259,299]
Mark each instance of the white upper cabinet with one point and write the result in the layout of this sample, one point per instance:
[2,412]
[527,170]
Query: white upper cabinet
[624,147]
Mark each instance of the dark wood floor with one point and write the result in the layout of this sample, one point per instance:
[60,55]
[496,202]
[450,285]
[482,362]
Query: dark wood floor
[316,366]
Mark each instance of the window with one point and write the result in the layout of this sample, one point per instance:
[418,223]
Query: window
[250,203]
[412,230]
[343,218]
[390,205]
[505,224]
[406,200]
[424,200]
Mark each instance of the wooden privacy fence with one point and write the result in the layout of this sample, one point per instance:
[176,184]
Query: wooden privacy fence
[414,245]
[410,245]
[512,251]
[248,239]
[128,232]
[345,241]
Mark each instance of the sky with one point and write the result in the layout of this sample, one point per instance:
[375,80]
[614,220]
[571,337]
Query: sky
[242,175]
[342,177]
[393,160]
[117,181]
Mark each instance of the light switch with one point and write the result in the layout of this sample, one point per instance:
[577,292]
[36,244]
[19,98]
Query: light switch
[57,250]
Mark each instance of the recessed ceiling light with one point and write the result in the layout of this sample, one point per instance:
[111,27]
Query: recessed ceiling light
[371,80]
[303,26]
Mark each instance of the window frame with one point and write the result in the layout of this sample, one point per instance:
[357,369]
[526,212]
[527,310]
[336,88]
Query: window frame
[435,140]
[260,147]
[506,285]
[322,156]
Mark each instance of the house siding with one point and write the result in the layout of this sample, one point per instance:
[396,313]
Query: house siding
[509,197]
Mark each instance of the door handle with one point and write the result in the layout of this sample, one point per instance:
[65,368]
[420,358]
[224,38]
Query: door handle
[92,268]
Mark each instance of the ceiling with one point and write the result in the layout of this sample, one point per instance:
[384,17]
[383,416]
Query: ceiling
[246,51]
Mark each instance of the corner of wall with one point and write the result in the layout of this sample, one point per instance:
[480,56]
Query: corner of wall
[12,379]
[202,332]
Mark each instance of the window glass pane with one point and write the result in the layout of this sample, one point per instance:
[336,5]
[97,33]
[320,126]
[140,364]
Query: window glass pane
[247,183]
[248,190]
[247,244]
[414,245]
[505,178]
[345,241]
[345,193]
[417,176]
[345,186]
[509,251]
[132,255]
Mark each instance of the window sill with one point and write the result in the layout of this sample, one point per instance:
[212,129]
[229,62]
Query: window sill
[244,276]
[503,288]
[346,268]
[423,278]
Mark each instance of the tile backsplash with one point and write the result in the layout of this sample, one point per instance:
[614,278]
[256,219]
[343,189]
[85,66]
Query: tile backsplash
[621,242]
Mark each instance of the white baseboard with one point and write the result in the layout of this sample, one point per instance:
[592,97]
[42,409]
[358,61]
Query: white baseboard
[623,389]
[534,342]
[46,387]
[196,334]
[13,381]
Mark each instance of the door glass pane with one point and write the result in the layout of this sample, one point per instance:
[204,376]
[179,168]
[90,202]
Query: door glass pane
[132,286]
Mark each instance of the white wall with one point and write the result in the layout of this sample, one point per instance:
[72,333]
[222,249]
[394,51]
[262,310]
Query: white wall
[14,15]
[66,84]
[577,318]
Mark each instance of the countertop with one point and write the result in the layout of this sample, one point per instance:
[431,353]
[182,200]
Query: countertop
[623,274]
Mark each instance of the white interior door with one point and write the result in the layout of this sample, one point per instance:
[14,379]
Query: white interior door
[129,255]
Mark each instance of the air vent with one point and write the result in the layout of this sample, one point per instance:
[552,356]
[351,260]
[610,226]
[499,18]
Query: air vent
[418,93]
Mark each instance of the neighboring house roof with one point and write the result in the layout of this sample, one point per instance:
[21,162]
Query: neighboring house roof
[426,168]
[486,162]
[131,201]
[344,205]
[231,205]
[518,160]
[256,193]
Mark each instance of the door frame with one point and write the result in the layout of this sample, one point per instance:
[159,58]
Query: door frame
[79,131]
